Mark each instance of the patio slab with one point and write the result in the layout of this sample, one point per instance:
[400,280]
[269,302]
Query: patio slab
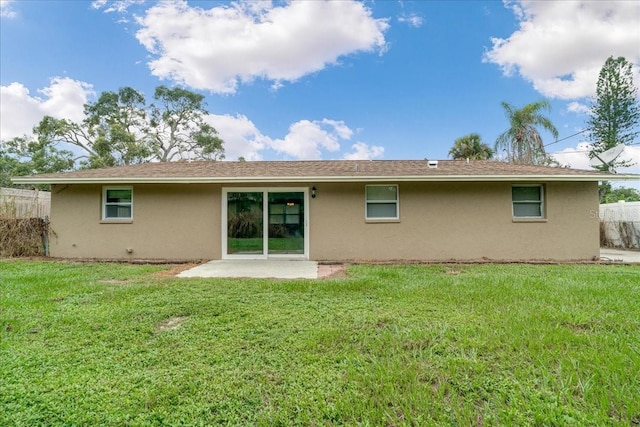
[277,269]
[619,255]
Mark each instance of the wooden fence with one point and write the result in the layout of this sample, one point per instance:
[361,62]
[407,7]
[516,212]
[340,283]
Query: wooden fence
[24,222]
[16,203]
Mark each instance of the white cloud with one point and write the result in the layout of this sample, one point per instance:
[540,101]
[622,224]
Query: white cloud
[219,48]
[632,154]
[561,46]
[98,4]
[64,98]
[241,137]
[6,9]
[362,151]
[340,128]
[578,157]
[413,20]
[118,6]
[578,108]
[305,139]
[574,157]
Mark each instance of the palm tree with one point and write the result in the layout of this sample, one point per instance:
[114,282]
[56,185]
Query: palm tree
[470,147]
[522,141]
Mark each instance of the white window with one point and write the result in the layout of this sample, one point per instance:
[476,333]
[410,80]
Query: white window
[527,201]
[381,202]
[117,203]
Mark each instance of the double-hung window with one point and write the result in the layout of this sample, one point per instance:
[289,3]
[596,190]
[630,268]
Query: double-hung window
[117,203]
[527,201]
[382,202]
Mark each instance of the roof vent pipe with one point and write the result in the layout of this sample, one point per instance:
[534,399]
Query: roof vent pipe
[432,164]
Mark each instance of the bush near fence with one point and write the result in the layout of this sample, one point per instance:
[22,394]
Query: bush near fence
[23,237]
[24,223]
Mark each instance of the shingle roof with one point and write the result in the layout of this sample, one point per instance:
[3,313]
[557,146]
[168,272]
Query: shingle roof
[322,170]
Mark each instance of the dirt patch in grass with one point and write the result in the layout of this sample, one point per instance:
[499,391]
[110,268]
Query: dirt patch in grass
[578,328]
[174,269]
[171,323]
[114,282]
[453,271]
[332,271]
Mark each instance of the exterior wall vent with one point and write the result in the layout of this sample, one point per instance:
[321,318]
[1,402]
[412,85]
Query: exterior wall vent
[432,164]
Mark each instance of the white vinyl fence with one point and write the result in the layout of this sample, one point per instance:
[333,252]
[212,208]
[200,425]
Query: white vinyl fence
[620,225]
[16,203]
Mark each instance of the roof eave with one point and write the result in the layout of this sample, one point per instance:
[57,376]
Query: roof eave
[310,179]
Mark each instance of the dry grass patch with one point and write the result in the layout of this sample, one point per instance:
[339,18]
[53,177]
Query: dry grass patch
[174,269]
[171,323]
[114,282]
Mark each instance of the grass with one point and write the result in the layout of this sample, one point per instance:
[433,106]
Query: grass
[108,344]
[276,244]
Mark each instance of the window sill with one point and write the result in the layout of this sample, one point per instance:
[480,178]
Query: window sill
[116,221]
[382,220]
[524,219]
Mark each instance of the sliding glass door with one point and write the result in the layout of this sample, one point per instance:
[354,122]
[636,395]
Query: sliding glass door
[259,223]
[245,230]
[286,223]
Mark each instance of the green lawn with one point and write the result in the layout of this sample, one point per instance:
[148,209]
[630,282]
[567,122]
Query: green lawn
[276,244]
[109,344]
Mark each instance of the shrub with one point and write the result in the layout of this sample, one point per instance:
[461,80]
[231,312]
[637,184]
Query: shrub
[23,237]
[245,225]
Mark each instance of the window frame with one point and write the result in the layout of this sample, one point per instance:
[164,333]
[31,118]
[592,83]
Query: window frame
[104,216]
[396,201]
[541,202]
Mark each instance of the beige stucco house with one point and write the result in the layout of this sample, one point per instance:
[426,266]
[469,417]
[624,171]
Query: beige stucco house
[326,211]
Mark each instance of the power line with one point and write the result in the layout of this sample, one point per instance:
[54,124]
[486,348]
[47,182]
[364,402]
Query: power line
[587,150]
[566,137]
[571,152]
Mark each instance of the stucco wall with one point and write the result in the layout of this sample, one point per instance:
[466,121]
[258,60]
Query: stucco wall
[438,221]
[169,222]
[455,221]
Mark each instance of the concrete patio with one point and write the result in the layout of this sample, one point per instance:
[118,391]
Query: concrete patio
[277,269]
[619,255]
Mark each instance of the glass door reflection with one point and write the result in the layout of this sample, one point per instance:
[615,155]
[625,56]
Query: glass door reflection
[286,223]
[245,221]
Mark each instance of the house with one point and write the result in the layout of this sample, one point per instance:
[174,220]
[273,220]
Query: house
[327,211]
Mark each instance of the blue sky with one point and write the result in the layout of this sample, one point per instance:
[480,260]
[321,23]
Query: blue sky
[322,80]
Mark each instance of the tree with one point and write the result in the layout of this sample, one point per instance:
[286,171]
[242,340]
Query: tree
[522,141]
[8,165]
[608,194]
[28,156]
[178,128]
[615,112]
[120,129]
[116,125]
[470,147]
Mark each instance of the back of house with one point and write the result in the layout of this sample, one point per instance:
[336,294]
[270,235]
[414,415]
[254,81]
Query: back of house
[393,210]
